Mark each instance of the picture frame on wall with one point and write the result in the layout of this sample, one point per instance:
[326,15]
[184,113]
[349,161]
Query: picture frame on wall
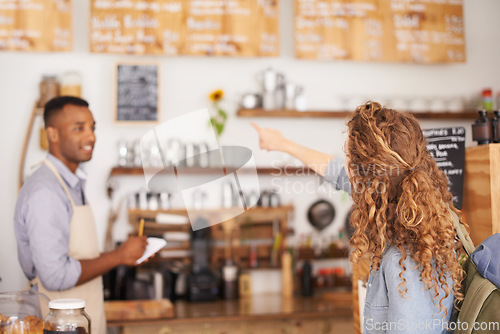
[136,93]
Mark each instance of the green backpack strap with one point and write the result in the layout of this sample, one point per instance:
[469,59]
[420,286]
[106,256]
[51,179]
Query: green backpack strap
[478,291]
[462,233]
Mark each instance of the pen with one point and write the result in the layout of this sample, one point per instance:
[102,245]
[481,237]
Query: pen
[141,227]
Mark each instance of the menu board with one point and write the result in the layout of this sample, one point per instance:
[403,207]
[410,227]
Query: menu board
[137,93]
[419,31]
[36,25]
[447,147]
[188,27]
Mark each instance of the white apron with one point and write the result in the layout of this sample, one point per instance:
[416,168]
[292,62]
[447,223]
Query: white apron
[83,245]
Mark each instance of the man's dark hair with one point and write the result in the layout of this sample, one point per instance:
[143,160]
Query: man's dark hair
[55,105]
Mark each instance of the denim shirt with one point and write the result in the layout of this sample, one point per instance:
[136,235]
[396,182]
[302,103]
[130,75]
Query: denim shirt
[385,310]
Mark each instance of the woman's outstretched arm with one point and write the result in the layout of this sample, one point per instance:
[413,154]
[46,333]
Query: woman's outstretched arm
[273,140]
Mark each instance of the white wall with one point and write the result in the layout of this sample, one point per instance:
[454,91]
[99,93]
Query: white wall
[188,80]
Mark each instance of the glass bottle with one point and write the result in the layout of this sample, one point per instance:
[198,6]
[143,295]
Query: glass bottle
[307,283]
[482,129]
[496,126]
[67,316]
[487,100]
[286,274]
[230,281]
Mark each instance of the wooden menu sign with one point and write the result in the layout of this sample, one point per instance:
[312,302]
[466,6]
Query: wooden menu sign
[185,27]
[36,25]
[417,31]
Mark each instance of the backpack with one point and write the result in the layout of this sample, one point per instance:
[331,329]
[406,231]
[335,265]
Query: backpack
[479,312]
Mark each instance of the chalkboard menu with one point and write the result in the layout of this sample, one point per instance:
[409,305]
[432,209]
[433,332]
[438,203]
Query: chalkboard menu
[36,25]
[447,147]
[187,27]
[137,92]
[430,31]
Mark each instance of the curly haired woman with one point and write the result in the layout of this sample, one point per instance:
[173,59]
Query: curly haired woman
[400,215]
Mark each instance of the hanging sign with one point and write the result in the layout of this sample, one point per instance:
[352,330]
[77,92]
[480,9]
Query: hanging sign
[188,27]
[417,31]
[36,25]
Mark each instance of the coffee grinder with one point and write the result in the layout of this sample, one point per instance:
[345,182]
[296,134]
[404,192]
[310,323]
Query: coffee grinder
[201,282]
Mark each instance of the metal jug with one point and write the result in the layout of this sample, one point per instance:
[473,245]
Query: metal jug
[272,84]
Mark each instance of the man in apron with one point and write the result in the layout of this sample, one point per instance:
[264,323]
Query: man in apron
[56,235]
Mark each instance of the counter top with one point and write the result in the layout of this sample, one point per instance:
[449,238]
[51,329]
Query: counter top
[255,308]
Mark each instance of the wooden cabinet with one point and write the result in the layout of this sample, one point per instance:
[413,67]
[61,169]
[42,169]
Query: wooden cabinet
[481,201]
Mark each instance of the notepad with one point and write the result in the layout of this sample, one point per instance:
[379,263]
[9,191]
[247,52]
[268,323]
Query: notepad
[167,218]
[154,245]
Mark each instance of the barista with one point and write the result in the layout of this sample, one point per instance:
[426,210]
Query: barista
[54,225]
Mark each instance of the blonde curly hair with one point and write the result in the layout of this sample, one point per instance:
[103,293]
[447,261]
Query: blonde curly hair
[401,198]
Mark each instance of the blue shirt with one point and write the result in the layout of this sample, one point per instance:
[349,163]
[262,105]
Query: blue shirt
[42,225]
[485,259]
[335,174]
[385,310]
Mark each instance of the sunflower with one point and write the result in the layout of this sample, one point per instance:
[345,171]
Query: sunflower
[216,95]
[219,118]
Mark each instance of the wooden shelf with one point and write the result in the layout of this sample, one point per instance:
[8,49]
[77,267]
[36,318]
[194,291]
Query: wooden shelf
[274,171]
[255,215]
[466,114]
[241,255]
[256,224]
[307,253]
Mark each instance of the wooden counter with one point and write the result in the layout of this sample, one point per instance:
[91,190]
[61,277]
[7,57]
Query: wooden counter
[262,314]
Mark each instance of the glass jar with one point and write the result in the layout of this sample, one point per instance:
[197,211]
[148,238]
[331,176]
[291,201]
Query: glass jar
[71,84]
[22,312]
[123,153]
[49,88]
[67,316]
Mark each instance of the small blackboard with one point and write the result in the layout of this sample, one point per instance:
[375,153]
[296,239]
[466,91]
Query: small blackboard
[137,87]
[447,147]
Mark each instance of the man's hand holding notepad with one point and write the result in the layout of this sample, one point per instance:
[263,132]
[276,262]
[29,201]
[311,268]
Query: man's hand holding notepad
[154,245]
